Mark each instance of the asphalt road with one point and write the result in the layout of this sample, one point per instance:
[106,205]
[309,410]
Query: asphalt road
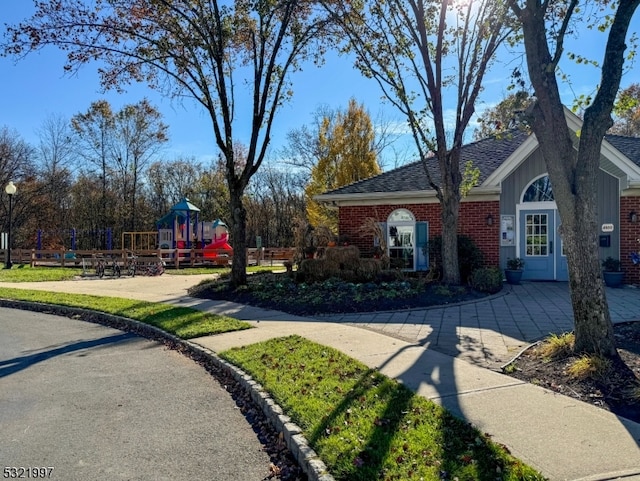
[96,403]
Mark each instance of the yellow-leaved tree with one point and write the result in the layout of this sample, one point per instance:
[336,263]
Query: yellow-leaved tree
[347,154]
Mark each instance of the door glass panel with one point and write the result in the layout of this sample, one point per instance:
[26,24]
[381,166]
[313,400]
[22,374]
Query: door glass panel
[401,246]
[537,241]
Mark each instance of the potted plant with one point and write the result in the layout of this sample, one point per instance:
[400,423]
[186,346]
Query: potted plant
[611,272]
[513,272]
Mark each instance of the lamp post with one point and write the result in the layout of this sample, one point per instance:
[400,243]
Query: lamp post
[10,189]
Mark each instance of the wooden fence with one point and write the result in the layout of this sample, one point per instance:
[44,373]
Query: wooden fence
[176,258]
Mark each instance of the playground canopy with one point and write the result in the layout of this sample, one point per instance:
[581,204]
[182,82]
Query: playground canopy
[180,212]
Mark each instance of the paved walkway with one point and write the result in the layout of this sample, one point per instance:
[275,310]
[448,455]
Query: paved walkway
[439,352]
[491,332]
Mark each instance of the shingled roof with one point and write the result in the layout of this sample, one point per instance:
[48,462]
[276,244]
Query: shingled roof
[487,155]
[628,146]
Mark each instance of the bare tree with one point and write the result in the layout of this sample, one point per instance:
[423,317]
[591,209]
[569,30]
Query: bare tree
[169,181]
[57,165]
[17,164]
[274,200]
[139,135]
[95,132]
[211,51]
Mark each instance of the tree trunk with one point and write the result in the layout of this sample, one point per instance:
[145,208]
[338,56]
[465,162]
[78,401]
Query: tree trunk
[592,320]
[238,239]
[450,264]
[449,197]
[593,327]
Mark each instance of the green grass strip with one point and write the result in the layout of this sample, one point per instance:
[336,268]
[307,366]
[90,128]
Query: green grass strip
[366,426]
[24,273]
[184,322]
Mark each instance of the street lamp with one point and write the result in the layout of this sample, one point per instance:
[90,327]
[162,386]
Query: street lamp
[10,189]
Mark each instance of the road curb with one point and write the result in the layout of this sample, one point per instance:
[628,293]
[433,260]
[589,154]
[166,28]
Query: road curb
[307,458]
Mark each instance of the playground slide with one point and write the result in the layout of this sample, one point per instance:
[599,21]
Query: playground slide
[221,244]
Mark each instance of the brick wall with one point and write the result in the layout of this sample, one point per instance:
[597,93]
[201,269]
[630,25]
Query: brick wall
[629,235]
[472,223]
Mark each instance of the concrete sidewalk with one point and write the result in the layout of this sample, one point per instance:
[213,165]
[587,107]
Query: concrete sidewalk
[565,439]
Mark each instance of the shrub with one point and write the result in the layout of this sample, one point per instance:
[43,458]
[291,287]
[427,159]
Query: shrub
[611,265]
[470,257]
[515,264]
[487,279]
[351,270]
[342,253]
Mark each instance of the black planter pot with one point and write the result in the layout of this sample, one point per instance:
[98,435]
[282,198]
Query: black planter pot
[513,276]
[613,279]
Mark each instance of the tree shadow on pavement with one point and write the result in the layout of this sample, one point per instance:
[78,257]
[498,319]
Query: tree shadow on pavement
[433,374]
[11,366]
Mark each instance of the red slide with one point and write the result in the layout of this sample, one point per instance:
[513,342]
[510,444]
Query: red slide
[218,245]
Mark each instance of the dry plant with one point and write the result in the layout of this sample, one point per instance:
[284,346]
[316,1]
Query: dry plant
[590,367]
[557,346]
[302,237]
[343,262]
[371,227]
[322,236]
[632,393]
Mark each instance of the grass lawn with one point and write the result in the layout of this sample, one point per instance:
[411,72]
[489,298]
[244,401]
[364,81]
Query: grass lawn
[184,322]
[366,426]
[25,273]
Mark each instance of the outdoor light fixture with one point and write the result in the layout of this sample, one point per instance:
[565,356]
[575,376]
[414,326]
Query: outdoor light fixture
[633,217]
[10,189]
[489,220]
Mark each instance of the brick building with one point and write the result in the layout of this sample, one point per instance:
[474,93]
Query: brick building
[510,213]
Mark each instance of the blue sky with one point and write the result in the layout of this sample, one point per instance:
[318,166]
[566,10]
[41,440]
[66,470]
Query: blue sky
[35,88]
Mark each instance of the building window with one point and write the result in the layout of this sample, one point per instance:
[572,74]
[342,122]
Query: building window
[537,238]
[539,191]
[401,228]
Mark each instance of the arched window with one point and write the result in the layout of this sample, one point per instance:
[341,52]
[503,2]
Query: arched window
[401,215]
[539,191]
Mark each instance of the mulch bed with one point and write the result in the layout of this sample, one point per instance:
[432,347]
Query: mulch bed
[607,393]
[327,302]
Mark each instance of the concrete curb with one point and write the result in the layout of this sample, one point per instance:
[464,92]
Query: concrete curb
[295,441]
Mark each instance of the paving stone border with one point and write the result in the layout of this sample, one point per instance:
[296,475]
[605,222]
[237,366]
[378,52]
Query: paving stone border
[307,458]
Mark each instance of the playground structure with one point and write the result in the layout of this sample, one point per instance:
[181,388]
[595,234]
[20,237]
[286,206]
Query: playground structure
[181,229]
[181,238]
